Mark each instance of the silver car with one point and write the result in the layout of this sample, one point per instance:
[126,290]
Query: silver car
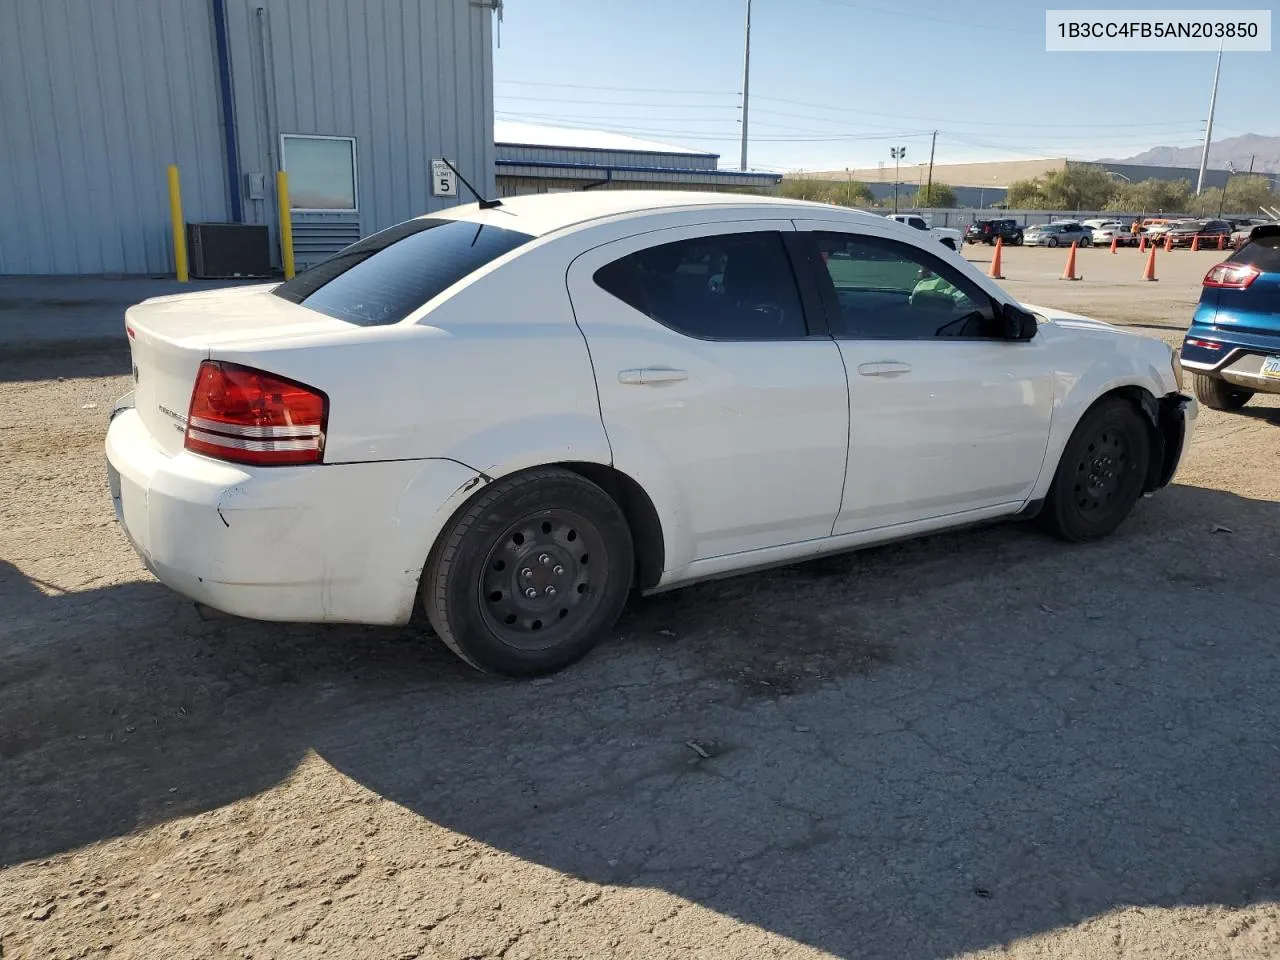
[1058,235]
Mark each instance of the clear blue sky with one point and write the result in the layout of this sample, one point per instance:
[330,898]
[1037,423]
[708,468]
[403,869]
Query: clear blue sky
[891,70]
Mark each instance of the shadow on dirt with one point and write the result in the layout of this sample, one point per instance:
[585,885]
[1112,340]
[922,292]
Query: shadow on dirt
[909,752]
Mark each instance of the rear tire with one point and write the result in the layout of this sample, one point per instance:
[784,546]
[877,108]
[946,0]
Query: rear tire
[1219,395]
[1101,474]
[531,574]
[949,243]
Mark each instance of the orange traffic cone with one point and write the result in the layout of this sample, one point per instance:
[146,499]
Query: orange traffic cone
[1070,272]
[1142,242]
[1115,244]
[1195,243]
[1168,242]
[994,273]
[1150,272]
[1222,241]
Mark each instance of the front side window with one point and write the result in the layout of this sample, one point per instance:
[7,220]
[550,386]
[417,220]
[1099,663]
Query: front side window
[886,290]
[735,286]
[385,277]
[322,172]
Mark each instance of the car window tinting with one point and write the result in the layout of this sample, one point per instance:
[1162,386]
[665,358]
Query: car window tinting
[887,290]
[385,277]
[1263,253]
[736,286]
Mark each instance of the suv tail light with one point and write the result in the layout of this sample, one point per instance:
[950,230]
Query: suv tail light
[249,416]
[1231,276]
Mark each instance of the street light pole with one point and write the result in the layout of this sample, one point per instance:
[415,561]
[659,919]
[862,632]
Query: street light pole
[897,153]
[746,85]
[1208,127]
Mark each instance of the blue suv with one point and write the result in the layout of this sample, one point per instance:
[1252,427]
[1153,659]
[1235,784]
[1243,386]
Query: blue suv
[1233,345]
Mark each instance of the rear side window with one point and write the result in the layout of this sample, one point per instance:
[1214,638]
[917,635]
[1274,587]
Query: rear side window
[736,286]
[385,277]
[1263,253]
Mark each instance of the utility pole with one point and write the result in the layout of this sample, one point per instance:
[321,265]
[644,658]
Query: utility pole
[897,153]
[929,188]
[1208,129]
[746,86]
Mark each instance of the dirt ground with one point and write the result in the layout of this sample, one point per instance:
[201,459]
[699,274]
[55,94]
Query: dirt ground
[984,744]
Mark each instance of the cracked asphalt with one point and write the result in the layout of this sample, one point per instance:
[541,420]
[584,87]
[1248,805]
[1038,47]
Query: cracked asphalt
[984,744]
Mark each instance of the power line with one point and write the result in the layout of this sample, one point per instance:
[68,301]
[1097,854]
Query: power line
[592,86]
[913,15]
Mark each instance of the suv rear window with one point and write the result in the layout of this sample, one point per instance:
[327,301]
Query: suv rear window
[385,277]
[1263,253]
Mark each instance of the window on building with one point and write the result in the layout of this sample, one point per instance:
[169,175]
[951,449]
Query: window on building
[322,172]
[886,290]
[736,286]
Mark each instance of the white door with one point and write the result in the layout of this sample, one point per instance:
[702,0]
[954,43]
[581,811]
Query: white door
[714,391]
[946,416]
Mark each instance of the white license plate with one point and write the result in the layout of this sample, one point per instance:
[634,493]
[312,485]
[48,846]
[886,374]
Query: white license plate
[1271,367]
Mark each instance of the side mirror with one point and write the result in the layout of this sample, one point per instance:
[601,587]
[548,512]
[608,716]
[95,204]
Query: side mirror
[1017,324]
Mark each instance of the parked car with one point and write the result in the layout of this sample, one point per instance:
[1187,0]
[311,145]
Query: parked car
[988,231]
[1181,234]
[1156,229]
[1232,348]
[1110,230]
[947,236]
[512,418]
[1240,235]
[1057,235]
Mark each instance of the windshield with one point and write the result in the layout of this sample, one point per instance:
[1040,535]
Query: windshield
[385,277]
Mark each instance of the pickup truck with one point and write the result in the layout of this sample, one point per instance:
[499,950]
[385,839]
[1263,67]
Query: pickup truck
[944,235]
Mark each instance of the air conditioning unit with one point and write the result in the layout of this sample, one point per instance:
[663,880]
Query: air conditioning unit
[226,251]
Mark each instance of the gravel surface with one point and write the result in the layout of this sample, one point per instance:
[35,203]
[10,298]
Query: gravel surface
[983,744]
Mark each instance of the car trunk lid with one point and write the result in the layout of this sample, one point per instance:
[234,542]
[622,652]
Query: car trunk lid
[170,336]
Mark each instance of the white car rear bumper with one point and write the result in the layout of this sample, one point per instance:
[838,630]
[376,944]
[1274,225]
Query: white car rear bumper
[326,543]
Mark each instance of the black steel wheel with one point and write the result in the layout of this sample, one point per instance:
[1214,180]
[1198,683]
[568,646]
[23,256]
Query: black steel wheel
[1101,474]
[531,574]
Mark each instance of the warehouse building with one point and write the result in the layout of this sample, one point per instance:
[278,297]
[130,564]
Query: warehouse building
[352,98]
[536,158]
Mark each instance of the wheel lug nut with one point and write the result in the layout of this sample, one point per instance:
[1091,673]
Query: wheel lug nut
[531,593]
[550,591]
[526,573]
[544,559]
[558,570]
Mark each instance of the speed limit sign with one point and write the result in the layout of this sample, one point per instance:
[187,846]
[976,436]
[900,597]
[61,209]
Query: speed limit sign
[444,182]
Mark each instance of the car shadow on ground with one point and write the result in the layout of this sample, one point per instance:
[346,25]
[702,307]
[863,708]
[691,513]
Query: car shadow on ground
[911,752]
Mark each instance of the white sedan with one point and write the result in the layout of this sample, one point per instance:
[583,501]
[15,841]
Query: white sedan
[512,417]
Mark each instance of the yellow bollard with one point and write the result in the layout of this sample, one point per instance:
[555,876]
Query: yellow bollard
[179,228]
[286,223]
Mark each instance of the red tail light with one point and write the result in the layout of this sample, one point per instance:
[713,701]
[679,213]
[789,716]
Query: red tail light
[1231,276]
[248,416]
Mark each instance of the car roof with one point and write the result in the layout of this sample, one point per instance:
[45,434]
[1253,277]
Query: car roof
[541,214]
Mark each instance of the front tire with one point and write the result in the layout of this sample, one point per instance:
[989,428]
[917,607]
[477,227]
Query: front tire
[1051,242]
[1101,474]
[1219,395]
[531,574]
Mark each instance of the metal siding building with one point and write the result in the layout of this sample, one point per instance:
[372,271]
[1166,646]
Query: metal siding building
[534,158]
[97,97]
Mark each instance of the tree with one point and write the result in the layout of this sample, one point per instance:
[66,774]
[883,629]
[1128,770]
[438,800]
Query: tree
[1074,187]
[934,195]
[846,193]
[1152,196]
[1244,194]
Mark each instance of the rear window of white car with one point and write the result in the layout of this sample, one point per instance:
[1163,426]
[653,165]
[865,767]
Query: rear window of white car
[385,277]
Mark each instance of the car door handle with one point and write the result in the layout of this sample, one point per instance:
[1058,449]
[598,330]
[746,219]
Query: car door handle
[884,368]
[641,375]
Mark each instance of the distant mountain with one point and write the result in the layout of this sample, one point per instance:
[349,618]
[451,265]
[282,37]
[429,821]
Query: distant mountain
[1233,150]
